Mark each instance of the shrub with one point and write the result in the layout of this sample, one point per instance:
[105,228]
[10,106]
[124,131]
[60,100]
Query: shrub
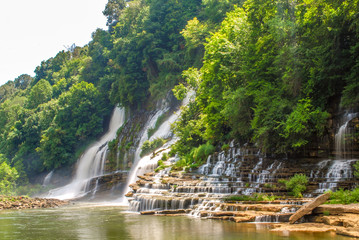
[150,146]
[225,147]
[161,165]
[326,213]
[195,158]
[296,185]
[164,157]
[356,167]
[344,196]
[201,153]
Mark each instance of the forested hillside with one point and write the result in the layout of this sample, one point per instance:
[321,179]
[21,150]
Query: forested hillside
[264,72]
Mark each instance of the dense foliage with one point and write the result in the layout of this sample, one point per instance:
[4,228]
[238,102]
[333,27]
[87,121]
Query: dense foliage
[270,73]
[8,177]
[262,71]
[47,119]
[344,196]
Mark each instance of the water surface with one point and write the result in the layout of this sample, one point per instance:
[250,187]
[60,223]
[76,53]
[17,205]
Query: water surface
[113,222]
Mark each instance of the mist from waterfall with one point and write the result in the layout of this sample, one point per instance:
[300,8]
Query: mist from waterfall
[91,163]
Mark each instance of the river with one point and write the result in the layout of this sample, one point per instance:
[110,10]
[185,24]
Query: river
[90,221]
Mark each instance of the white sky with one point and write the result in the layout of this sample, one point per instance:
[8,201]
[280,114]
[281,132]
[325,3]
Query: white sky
[35,30]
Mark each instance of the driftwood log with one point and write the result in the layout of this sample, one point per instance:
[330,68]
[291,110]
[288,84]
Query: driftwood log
[308,207]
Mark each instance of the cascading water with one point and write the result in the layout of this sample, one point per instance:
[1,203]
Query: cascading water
[91,163]
[339,170]
[147,163]
[139,163]
[340,137]
[47,179]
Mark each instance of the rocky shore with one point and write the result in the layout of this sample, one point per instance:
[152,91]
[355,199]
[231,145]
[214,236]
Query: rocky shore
[21,202]
[165,196]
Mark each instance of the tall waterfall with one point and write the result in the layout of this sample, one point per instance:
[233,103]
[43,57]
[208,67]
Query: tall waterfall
[91,163]
[146,164]
[340,141]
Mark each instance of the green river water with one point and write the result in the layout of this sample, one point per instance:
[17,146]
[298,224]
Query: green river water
[84,221]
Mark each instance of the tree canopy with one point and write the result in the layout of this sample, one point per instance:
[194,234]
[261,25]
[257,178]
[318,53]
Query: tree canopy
[263,72]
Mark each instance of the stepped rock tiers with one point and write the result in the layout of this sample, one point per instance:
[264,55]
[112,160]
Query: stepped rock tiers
[28,203]
[154,195]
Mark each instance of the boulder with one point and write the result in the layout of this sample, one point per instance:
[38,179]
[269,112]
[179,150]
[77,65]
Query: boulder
[129,194]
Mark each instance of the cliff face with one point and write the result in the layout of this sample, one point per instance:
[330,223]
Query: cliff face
[327,162]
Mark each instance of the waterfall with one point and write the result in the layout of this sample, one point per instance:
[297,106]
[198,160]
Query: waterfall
[339,171]
[47,179]
[146,163]
[340,136]
[91,163]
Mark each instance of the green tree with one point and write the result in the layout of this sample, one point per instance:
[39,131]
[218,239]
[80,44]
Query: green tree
[23,81]
[113,10]
[8,177]
[40,93]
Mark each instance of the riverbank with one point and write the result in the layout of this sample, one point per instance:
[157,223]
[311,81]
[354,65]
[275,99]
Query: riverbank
[339,219]
[22,202]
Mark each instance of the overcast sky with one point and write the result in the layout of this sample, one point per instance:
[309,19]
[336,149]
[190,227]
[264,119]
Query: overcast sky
[35,30]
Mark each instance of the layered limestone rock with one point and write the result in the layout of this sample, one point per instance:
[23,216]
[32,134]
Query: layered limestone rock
[181,193]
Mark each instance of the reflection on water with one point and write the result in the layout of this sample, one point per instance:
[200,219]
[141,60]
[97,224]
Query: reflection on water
[111,222]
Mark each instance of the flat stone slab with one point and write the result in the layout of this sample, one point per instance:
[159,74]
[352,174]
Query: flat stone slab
[349,232]
[334,209]
[308,208]
[303,227]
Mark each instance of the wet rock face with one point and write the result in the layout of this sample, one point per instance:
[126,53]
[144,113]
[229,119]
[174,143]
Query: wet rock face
[245,171]
[107,183]
[122,156]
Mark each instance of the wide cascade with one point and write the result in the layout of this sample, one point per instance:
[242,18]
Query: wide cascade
[234,171]
[91,163]
[239,170]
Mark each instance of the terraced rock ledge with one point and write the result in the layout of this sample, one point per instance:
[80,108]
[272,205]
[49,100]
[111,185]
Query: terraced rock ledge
[185,194]
[29,203]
